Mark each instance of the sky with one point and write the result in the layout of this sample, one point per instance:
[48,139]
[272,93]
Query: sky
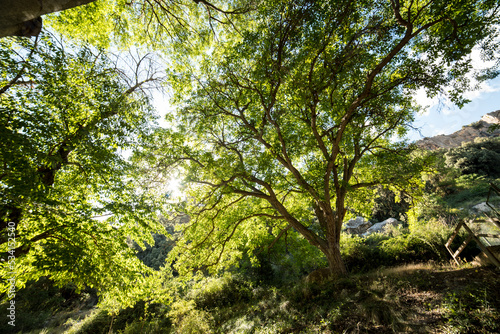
[445,118]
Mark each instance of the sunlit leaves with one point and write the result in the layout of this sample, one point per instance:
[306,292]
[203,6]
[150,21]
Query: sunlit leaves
[66,117]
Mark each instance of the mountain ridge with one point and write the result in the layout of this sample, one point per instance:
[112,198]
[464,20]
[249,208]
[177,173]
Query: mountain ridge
[487,127]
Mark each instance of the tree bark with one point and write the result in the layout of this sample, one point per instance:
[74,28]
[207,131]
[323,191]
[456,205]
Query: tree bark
[336,265]
[23,17]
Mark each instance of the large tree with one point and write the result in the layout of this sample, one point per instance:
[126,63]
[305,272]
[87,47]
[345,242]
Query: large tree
[69,198]
[293,119]
[23,17]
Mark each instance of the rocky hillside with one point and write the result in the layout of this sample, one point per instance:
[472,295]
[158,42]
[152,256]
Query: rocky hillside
[468,133]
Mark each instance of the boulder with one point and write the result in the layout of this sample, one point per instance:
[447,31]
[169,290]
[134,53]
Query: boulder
[382,226]
[358,225]
[318,276]
[480,208]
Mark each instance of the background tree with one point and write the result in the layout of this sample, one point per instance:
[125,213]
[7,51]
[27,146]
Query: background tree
[293,119]
[479,157]
[390,203]
[66,117]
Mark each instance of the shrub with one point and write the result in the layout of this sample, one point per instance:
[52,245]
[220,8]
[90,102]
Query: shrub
[221,291]
[478,157]
[187,319]
[421,242]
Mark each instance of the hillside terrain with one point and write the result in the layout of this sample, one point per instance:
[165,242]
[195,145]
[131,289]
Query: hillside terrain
[484,128]
[424,298]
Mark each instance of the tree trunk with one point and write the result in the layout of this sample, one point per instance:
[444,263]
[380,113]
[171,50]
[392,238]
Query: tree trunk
[336,265]
[23,17]
[335,262]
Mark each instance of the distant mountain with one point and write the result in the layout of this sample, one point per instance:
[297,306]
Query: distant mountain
[482,128]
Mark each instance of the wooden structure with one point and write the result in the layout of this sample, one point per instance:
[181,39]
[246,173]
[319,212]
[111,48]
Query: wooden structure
[475,231]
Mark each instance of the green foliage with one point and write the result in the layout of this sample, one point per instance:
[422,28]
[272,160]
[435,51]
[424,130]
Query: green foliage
[220,292]
[471,189]
[95,22]
[289,259]
[66,115]
[460,179]
[98,323]
[387,205]
[188,319]
[292,120]
[470,311]
[143,317]
[123,23]
[154,255]
[420,242]
[417,298]
[39,302]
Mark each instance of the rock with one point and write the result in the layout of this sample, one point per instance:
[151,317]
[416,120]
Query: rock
[480,208]
[318,276]
[492,117]
[381,227]
[479,129]
[358,225]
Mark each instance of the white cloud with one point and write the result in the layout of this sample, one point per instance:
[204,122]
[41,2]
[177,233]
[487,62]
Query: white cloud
[423,100]
[444,104]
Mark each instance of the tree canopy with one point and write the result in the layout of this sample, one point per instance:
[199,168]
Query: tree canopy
[69,198]
[292,120]
[160,24]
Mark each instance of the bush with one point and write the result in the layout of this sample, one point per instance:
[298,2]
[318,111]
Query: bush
[98,324]
[478,157]
[419,243]
[187,319]
[141,318]
[220,292]
[290,258]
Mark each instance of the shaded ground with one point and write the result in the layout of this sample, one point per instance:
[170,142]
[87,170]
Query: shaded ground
[414,298]
[448,299]
[423,298]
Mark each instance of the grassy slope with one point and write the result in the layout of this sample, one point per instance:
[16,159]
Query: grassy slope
[421,298]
